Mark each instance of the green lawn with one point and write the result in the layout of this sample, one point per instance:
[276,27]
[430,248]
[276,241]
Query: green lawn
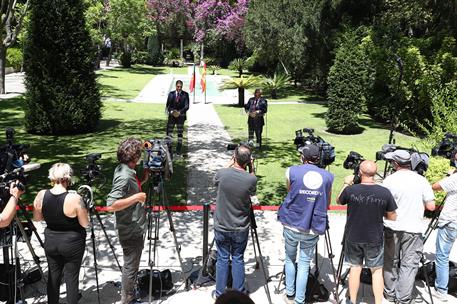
[280,152]
[122,83]
[120,120]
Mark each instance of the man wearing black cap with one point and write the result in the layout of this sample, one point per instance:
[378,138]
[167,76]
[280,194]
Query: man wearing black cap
[304,217]
[403,238]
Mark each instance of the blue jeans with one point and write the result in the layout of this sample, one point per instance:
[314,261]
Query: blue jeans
[230,244]
[444,241]
[307,244]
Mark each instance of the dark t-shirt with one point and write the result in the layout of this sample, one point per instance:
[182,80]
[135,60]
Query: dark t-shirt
[367,205]
[233,202]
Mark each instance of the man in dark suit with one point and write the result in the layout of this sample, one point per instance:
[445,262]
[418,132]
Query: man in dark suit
[177,106]
[256,109]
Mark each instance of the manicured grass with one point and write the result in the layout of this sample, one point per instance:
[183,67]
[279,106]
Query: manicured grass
[120,120]
[280,152]
[122,83]
[126,83]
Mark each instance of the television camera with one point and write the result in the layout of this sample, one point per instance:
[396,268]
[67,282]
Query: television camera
[419,160]
[352,162]
[326,150]
[447,148]
[157,157]
[14,163]
[249,144]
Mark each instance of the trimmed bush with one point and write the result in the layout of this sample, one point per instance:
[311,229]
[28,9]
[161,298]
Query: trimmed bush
[62,94]
[14,58]
[349,82]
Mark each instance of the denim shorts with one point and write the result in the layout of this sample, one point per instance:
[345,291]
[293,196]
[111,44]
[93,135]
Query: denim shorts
[358,253]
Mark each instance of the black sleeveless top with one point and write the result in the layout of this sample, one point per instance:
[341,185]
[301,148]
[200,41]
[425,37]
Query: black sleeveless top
[55,217]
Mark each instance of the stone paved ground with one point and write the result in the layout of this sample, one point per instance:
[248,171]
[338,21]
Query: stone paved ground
[189,233]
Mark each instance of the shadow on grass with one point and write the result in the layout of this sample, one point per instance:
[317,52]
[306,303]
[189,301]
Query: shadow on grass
[72,149]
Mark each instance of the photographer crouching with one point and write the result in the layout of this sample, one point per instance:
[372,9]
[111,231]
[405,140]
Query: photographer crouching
[8,213]
[367,203]
[66,218]
[235,186]
[126,199]
[304,217]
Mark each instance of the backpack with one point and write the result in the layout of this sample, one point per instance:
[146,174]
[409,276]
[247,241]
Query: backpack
[161,281]
[429,269]
[315,291]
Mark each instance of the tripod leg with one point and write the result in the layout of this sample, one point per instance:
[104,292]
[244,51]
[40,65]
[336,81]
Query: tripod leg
[36,259]
[267,289]
[97,215]
[172,229]
[277,290]
[92,236]
[427,279]
[32,226]
[255,251]
[328,244]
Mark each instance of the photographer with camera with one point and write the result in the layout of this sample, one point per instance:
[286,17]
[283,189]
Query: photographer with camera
[447,233]
[176,108]
[256,108]
[368,203]
[235,186]
[8,213]
[304,217]
[66,218]
[403,244]
[126,200]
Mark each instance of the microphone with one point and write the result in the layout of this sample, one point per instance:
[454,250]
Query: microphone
[30,167]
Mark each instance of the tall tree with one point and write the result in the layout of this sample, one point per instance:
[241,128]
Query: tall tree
[13,13]
[62,95]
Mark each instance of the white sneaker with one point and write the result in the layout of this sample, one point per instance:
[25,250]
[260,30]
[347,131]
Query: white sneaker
[288,299]
[442,297]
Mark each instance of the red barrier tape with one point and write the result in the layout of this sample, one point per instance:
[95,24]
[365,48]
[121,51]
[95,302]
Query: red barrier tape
[200,208]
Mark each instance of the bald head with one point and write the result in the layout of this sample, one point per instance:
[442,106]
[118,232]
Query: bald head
[368,168]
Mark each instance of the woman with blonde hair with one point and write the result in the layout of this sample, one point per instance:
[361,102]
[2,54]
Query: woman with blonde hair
[65,236]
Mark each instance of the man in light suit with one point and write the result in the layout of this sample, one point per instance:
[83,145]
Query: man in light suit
[177,106]
[256,109]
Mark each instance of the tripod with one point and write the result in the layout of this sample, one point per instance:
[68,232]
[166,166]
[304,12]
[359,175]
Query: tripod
[88,197]
[156,189]
[328,245]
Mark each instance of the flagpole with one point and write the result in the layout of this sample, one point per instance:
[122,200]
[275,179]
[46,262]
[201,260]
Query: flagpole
[195,82]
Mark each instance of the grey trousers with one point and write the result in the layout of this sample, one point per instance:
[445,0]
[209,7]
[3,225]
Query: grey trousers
[402,254]
[132,249]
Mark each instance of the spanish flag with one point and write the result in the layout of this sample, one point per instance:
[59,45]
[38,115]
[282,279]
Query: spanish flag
[192,81]
[203,80]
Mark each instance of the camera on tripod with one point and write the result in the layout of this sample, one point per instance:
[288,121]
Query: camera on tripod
[249,144]
[92,170]
[352,162]
[157,157]
[419,160]
[447,148]
[13,166]
[326,150]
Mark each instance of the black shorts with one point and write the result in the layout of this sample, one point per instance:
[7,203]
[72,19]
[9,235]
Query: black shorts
[358,253]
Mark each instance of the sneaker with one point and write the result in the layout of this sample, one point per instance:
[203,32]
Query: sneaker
[389,298]
[289,299]
[213,294]
[440,296]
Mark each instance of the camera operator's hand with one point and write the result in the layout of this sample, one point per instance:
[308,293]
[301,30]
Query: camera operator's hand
[15,191]
[140,197]
[349,180]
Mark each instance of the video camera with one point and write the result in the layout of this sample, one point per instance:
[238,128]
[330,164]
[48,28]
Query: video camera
[157,156]
[326,150]
[92,170]
[13,164]
[447,148]
[419,160]
[250,145]
[352,162]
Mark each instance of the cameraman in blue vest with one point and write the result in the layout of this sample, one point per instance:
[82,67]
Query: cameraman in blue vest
[304,216]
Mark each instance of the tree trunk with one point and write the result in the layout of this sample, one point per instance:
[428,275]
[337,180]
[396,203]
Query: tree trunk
[2,68]
[274,94]
[241,97]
